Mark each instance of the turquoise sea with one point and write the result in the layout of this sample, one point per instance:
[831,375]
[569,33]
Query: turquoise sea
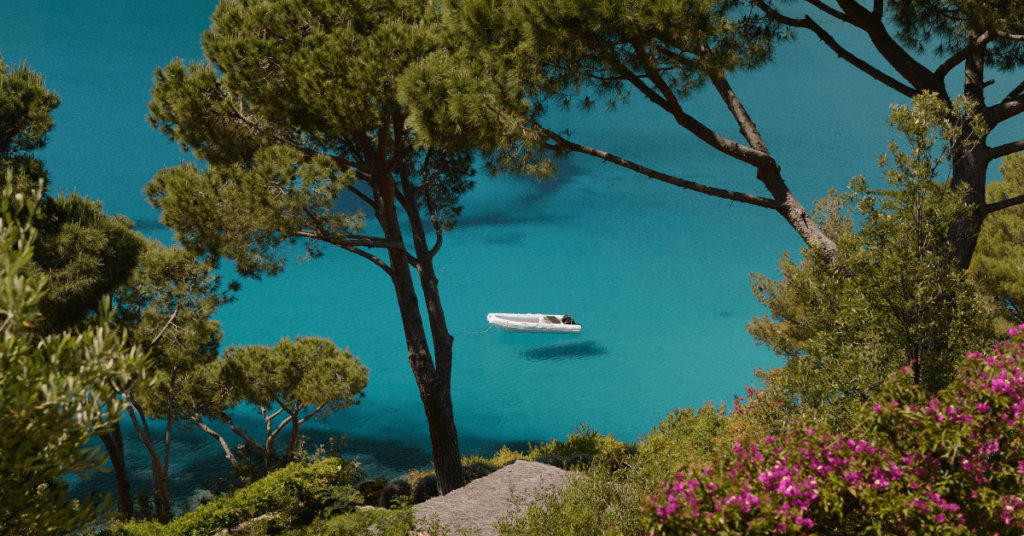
[657,276]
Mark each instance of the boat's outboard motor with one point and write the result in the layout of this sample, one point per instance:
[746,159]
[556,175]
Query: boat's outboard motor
[567,319]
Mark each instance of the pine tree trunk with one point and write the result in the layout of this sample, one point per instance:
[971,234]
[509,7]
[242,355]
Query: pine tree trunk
[970,166]
[433,380]
[444,440]
[114,443]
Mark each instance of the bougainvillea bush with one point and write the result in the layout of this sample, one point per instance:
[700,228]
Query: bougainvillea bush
[949,463]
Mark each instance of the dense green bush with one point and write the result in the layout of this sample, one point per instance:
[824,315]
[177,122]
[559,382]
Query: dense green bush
[392,491]
[368,522]
[552,460]
[475,470]
[425,488]
[295,492]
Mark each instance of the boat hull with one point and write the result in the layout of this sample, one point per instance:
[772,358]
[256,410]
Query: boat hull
[531,323]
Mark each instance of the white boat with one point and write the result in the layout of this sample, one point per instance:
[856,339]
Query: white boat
[533,323]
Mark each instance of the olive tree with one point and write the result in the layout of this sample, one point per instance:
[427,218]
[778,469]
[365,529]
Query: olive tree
[56,390]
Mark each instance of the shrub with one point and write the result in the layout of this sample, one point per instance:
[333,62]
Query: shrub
[504,456]
[425,488]
[588,504]
[552,460]
[396,488]
[477,470]
[293,492]
[950,463]
[579,461]
[582,440]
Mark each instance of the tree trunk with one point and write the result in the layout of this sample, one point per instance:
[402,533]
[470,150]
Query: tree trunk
[970,166]
[161,498]
[114,443]
[433,382]
[444,440]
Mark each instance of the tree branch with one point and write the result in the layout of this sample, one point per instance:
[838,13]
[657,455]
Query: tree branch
[370,257]
[966,52]
[220,439]
[830,10]
[668,179]
[1005,149]
[989,208]
[366,199]
[310,416]
[808,23]
[160,335]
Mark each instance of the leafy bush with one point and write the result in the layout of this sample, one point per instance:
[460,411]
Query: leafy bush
[583,440]
[503,457]
[477,470]
[917,463]
[588,504]
[425,488]
[552,460]
[293,492]
[368,522]
[396,488]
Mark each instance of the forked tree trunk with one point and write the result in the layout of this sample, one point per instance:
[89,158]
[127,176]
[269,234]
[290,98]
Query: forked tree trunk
[433,376]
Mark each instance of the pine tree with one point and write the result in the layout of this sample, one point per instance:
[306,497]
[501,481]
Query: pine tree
[294,108]
[909,35]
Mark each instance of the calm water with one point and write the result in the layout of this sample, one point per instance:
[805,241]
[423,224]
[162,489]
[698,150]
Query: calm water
[657,276]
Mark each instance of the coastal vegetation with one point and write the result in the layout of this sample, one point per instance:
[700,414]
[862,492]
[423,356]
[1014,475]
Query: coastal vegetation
[897,408]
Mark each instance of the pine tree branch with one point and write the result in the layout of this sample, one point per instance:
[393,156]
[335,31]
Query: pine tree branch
[366,199]
[808,23]
[241,433]
[830,11]
[431,211]
[1005,149]
[956,59]
[562,143]
[1010,106]
[370,257]
[160,335]
[220,439]
[989,208]
[747,127]
[703,132]
[1010,36]
[915,73]
[312,414]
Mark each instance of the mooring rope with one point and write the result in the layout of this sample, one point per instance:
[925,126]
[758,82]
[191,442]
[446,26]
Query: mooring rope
[476,332]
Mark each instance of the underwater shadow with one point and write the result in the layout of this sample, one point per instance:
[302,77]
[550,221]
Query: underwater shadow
[564,351]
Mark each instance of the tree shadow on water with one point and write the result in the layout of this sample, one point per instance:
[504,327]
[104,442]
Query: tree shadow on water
[564,351]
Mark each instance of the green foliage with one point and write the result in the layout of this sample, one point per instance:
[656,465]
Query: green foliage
[295,492]
[25,120]
[917,463]
[942,26]
[335,67]
[370,522]
[590,502]
[57,391]
[393,491]
[893,296]
[86,254]
[516,59]
[425,488]
[684,437]
[475,470]
[998,262]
